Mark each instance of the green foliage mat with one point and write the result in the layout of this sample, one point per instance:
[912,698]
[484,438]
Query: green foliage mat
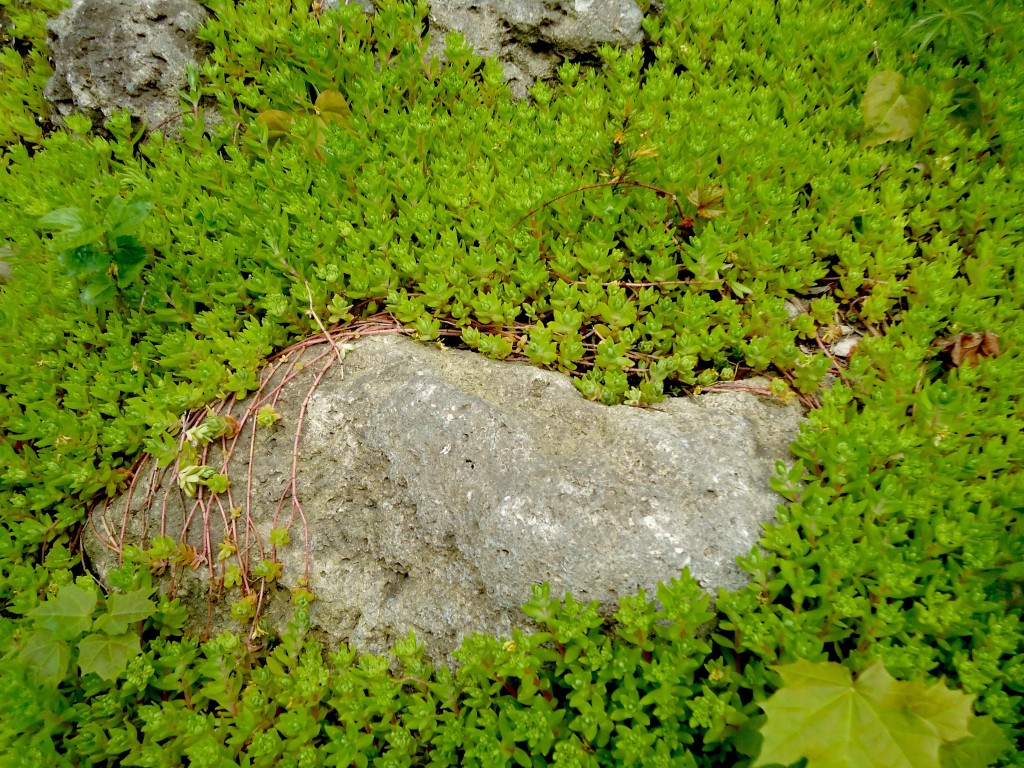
[727,201]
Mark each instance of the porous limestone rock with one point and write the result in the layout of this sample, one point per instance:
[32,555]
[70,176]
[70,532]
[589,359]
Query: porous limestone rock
[131,54]
[532,38]
[438,486]
[123,54]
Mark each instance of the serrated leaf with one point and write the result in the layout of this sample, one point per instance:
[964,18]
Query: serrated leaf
[332,107]
[891,111]
[68,219]
[822,715]
[124,610]
[123,218]
[46,656]
[67,615]
[279,124]
[986,744]
[948,710]
[85,261]
[107,655]
[129,260]
[95,295]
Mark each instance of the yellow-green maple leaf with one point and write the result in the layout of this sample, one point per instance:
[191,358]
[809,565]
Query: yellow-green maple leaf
[823,715]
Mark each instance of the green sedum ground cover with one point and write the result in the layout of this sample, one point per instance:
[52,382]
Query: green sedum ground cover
[640,228]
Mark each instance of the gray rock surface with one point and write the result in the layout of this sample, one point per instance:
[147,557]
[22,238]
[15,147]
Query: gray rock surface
[131,54]
[532,38]
[123,54]
[439,486]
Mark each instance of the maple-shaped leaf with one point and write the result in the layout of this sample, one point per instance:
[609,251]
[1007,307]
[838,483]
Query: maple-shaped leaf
[124,610]
[822,715]
[706,199]
[68,614]
[968,347]
[986,744]
[891,111]
[947,710]
[46,656]
[107,655]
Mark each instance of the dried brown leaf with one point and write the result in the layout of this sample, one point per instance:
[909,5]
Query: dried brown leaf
[968,347]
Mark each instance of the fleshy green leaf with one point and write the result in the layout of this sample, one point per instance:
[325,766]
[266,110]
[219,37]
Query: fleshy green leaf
[67,615]
[876,722]
[891,111]
[107,655]
[279,537]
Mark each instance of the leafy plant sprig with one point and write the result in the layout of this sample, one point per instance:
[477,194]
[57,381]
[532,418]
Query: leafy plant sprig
[100,248]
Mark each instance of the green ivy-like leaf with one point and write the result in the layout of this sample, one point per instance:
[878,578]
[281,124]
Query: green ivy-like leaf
[67,615]
[124,610]
[986,744]
[822,715]
[46,656]
[891,111]
[107,655]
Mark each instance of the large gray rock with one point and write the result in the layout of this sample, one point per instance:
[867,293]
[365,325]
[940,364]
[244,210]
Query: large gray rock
[123,54]
[438,486]
[531,38]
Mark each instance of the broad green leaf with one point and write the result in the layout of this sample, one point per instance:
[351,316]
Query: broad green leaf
[129,260]
[74,227]
[279,124]
[891,111]
[332,107]
[986,744]
[67,615]
[85,261]
[123,218]
[96,294]
[948,710]
[46,656]
[124,610]
[876,722]
[68,219]
[107,655]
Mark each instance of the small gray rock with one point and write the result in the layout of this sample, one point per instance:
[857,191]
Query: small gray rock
[530,38]
[123,54]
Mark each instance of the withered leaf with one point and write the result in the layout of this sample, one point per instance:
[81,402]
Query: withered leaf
[705,198]
[332,108]
[968,347]
[278,123]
